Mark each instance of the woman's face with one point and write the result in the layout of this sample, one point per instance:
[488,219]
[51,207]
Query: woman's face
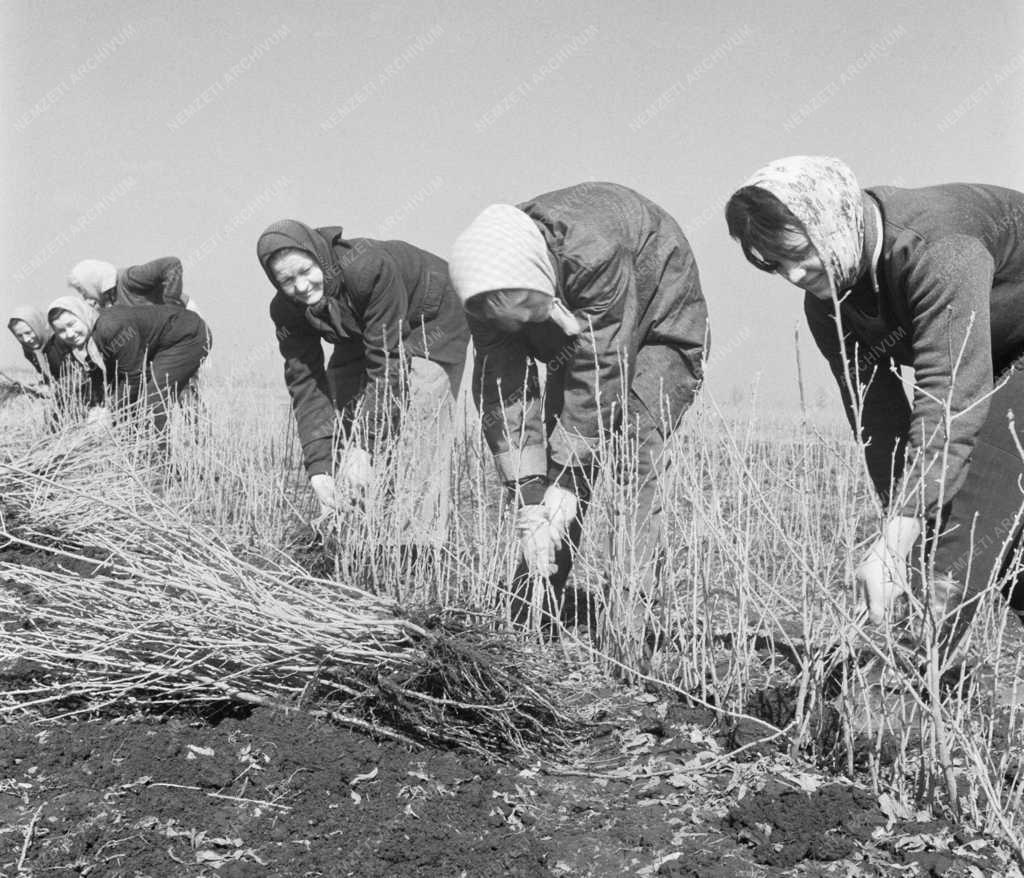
[298,276]
[70,329]
[25,334]
[511,310]
[808,273]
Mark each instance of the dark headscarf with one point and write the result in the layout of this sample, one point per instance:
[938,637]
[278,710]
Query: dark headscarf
[293,235]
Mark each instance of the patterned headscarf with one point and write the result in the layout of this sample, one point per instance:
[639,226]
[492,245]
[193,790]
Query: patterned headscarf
[501,250]
[92,278]
[35,320]
[85,312]
[823,194]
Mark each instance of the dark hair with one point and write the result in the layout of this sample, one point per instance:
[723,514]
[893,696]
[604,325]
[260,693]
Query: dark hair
[757,219]
[482,305]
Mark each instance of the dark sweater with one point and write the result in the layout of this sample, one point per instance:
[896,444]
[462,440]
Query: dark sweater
[950,303]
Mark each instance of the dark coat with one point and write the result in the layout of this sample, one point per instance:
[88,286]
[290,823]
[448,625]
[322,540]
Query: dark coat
[49,364]
[77,384]
[949,303]
[152,283]
[131,337]
[625,269]
[385,301]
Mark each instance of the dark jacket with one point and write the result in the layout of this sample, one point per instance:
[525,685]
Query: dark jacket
[394,301]
[131,337]
[949,303]
[74,384]
[624,268]
[78,384]
[152,283]
[49,364]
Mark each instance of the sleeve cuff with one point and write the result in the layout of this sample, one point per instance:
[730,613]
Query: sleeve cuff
[521,463]
[571,478]
[318,456]
[570,449]
[529,491]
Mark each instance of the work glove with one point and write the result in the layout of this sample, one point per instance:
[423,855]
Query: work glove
[560,506]
[326,492]
[355,471]
[537,539]
[882,574]
[98,420]
[881,578]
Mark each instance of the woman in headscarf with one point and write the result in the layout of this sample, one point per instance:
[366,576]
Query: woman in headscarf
[38,343]
[598,283]
[931,278]
[71,383]
[147,355]
[396,326]
[158,282]
[80,373]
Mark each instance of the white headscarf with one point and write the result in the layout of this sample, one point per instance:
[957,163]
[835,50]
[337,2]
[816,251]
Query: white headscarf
[502,249]
[92,278]
[35,320]
[85,312]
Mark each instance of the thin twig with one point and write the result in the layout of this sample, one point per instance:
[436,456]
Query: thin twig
[29,835]
[248,801]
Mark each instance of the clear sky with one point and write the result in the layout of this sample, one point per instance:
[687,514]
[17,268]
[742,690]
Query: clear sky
[135,129]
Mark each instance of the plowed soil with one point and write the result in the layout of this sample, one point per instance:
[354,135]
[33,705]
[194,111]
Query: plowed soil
[273,794]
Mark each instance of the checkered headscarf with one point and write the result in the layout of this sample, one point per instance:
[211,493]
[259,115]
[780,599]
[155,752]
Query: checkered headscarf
[501,250]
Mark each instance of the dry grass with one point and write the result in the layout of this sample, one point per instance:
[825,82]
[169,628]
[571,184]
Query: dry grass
[767,521]
[156,582]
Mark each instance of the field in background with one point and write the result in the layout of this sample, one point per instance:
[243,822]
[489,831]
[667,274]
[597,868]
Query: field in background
[756,617]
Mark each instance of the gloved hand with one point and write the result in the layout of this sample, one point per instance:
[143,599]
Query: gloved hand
[882,574]
[98,420]
[537,539]
[326,492]
[560,506]
[881,579]
[355,471]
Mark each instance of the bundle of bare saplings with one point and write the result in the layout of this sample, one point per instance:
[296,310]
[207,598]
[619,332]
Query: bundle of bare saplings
[114,600]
